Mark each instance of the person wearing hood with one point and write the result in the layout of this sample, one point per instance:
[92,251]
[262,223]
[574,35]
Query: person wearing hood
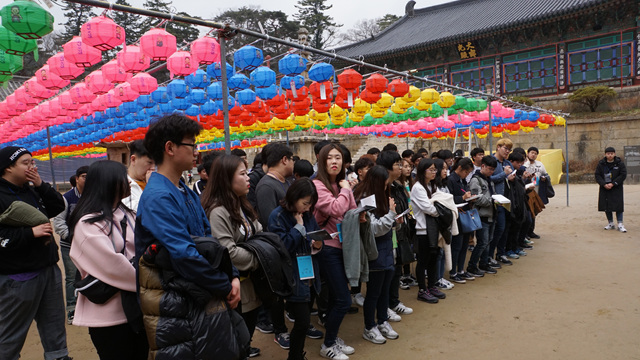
[610,174]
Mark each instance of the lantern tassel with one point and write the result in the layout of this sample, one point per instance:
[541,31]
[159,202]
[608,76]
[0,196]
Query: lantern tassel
[350,99]
[293,89]
[323,95]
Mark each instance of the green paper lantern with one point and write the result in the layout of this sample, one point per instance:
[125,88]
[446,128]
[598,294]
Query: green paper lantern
[13,44]
[4,79]
[482,104]
[9,64]
[472,105]
[27,19]
[461,102]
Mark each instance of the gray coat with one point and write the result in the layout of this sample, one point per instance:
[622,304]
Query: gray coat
[480,186]
[358,247]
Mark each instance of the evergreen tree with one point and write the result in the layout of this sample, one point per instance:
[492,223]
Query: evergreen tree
[76,15]
[184,33]
[322,28]
[130,22]
[386,21]
[155,5]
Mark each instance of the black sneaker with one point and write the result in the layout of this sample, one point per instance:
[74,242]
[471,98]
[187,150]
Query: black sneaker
[534,236]
[424,295]
[265,328]
[467,276]
[471,247]
[487,269]
[526,246]
[494,264]
[457,279]
[352,310]
[505,260]
[314,312]
[437,293]
[253,352]
[475,272]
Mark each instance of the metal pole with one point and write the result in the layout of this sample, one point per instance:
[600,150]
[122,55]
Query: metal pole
[490,128]
[53,175]
[225,93]
[287,137]
[566,159]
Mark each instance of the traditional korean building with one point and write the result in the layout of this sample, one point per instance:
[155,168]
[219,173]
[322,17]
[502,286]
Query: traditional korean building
[513,47]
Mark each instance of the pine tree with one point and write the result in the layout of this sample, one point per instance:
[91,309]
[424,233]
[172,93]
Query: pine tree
[130,22]
[184,33]
[76,15]
[155,5]
[322,28]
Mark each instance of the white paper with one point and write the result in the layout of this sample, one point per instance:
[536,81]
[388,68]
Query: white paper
[366,204]
[529,185]
[474,197]
[402,214]
[461,204]
[500,199]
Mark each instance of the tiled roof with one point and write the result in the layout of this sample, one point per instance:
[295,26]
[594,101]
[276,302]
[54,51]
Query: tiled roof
[461,20]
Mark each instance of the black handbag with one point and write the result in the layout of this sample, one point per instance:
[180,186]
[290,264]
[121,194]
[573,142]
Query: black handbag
[444,219]
[404,253]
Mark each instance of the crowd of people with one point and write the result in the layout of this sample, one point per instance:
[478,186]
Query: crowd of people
[155,269]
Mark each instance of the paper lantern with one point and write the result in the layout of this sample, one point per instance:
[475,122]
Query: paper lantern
[114,72]
[143,83]
[177,89]
[197,97]
[246,97]
[321,91]
[180,103]
[376,84]
[158,44]
[13,44]
[262,77]
[50,80]
[429,96]
[9,64]
[125,92]
[161,95]
[67,102]
[132,59]
[447,100]
[298,94]
[292,82]
[205,50]
[27,19]
[398,88]
[110,99]
[248,58]
[292,64]
[64,68]
[266,93]
[239,82]
[214,91]
[198,80]
[320,72]
[370,97]
[24,97]
[81,54]
[81,94]
[350,79]
[180,64]
[98,83]
[37,90]
[146,101]
[102,33]
[97,104]
[215,71]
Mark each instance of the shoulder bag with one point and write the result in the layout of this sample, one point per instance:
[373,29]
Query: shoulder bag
[469,220]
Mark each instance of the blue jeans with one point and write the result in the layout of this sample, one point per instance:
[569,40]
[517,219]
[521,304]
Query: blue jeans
[38,299]
[332,270]
[69,278]
[610,216]
[498,231]
[440,262]
[459,245]
[479,251]
[377,298]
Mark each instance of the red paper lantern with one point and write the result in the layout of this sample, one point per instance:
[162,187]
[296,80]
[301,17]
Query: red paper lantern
[181,64]
[370,97]
[81,94]
[37,90]
[80,53]
[158,44]
[97,83]
[255,107]
[60,66]
[321,92]
[398,88]
[143,83]
[321,107]
[300,94]
[133,60]
[276,100]
[114,72]
[205,50]
[66,102]
[343,103]
[102,33]
[50,80]
[125,92]
[376,84]
[350,79]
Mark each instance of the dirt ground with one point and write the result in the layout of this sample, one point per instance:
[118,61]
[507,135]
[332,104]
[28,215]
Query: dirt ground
[575,296]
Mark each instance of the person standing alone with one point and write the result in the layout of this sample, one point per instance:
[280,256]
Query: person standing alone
[610,174]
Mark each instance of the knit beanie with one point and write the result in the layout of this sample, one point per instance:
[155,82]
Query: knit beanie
[11,154]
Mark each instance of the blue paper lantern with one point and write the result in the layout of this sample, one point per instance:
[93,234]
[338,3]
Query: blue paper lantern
[161,95]
[180,103]
[178,89]
[193,110]
[165,108]
[292,64]
[248,58]
[246,97]
[239,82]
[130,107]
[214,91]
[232,103]
[215,71]
[286,81]
[267,93]
[145,101]
[533,116]
[197,97]
[262,77]
[209,108]
[197,80]
[321,72]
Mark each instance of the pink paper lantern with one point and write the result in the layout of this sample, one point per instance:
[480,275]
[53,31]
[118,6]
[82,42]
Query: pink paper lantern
[143,83]
[37,90]
[133,60]
[67,103]
[45,110]
[205,50]
[13,103]
[97,105]
[110,99]
[158,44]
[81,94]
[181,63]
[56,107]
[50,80]
[85,110]
[125,92]
[22,96]
[80,53]
[64,68]
[3,111]
[97,83]
[114,72]
[102,33]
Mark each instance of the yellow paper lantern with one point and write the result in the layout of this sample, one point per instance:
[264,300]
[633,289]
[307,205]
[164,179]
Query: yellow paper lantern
[422,105]
[413,95]
[360,107]
[339,120]
[397,109]
[447,100]
[336,110]
[378,113]
[355,117]
[527,129]
[403,104]
[385,101]
[543,126]
[301,120]
[560,121]
[429,96]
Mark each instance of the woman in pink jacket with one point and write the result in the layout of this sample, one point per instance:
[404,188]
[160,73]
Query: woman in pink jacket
[335,198]
[102,249]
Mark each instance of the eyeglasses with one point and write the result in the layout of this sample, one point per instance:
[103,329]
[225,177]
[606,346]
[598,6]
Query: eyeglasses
[506,148]
[193,146]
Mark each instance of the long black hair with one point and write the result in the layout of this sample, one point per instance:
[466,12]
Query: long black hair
[375,183]
[300,188]
[107,184]
[420,175]
[439,180]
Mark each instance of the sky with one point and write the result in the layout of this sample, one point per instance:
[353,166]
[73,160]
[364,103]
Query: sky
[346,12]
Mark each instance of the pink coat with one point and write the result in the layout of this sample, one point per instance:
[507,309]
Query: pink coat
[93,253]
[331,209]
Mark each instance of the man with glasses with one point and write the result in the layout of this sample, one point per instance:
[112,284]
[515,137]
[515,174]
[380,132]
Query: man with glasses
[71,198]
[504,172]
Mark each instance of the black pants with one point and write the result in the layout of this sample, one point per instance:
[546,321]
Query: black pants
[119,342]
[250,318]
[427,259]
[277,316]
[394,288]
[300,312]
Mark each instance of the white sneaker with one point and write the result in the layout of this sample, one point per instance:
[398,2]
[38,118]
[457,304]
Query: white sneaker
[621,228]
[332,352]
[358,299]
[444,284]
[387,331]
[374,335]
[346,349]
[610,227]
[402,309]
[393,316]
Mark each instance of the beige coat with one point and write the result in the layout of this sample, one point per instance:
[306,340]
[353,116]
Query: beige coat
[244,260]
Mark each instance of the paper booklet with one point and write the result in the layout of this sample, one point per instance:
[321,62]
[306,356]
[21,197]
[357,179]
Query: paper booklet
[403,214]
[500,199]
[474,197]
[530,185]
[366,204]
[321,235]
